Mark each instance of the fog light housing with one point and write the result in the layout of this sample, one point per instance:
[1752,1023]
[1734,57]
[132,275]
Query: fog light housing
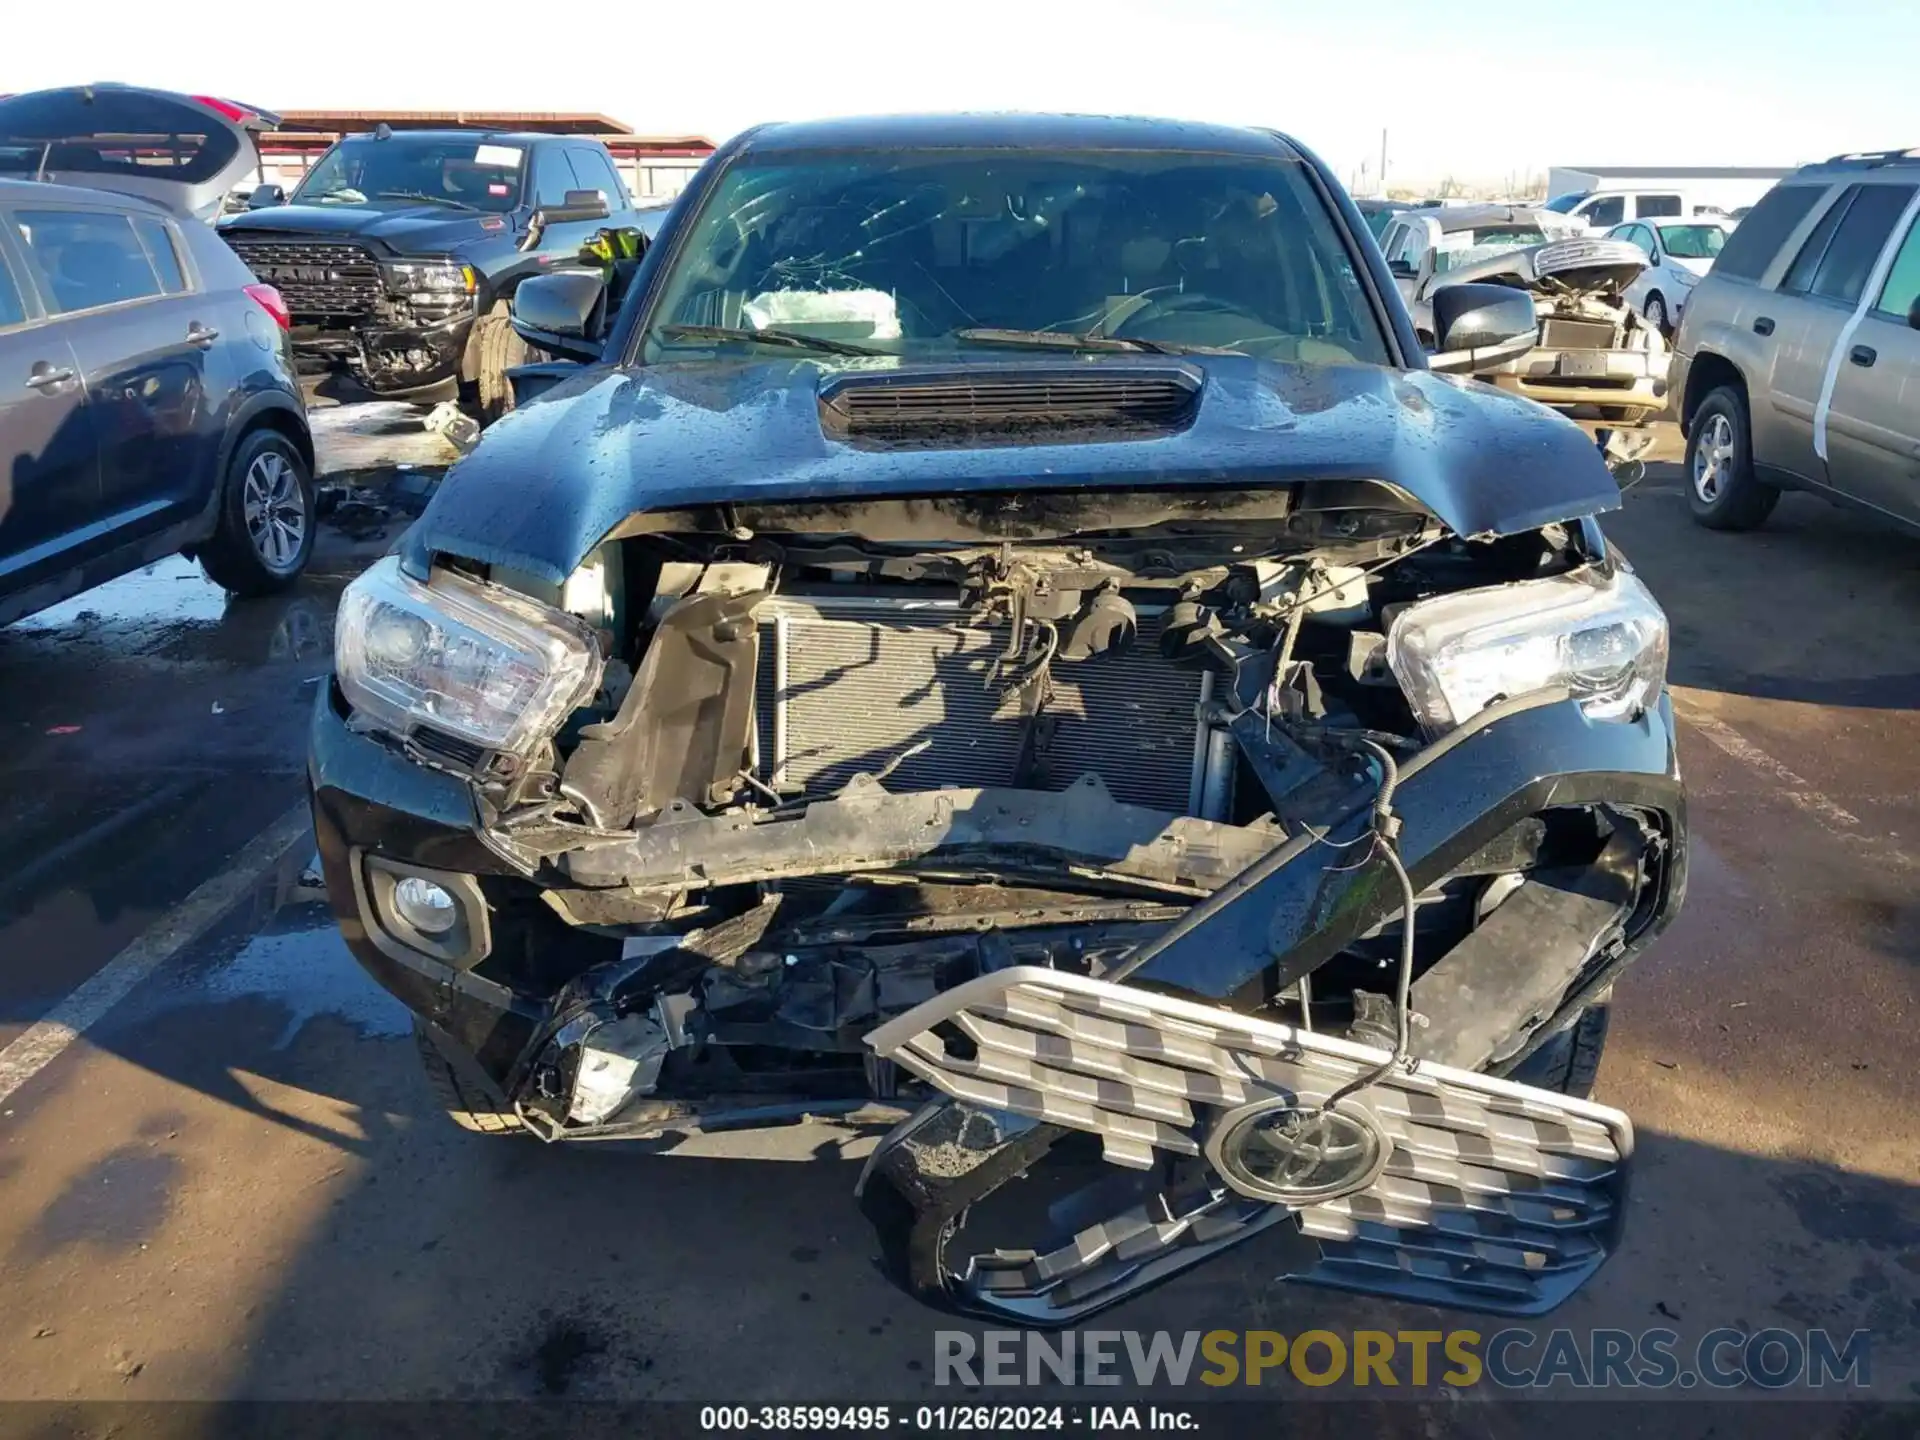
[412,911]
[1295,1154]
[425,906]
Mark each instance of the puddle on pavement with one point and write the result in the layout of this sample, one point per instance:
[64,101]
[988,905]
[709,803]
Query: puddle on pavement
[170,610]
[299,962]
[174,591]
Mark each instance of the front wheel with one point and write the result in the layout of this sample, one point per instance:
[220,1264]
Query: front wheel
[264,535]
[497,348]
[1657,314]
[1569,1062]
[1722,491]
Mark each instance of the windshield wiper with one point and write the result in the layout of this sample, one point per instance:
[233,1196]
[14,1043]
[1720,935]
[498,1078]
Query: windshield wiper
[422,195]
[1090,340]
[790,338]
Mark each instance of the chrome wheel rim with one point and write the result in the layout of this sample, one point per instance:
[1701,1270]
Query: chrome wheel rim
[1657,313]
[275,511]
[1712,458]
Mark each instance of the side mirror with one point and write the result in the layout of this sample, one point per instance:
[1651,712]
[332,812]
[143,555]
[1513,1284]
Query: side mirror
[1477,328]
[1401,270]
[578,205]
[562,312]
[1913,313]
[264,197]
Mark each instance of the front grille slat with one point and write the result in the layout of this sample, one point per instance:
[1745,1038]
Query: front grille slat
[1511,1228]
[320,280]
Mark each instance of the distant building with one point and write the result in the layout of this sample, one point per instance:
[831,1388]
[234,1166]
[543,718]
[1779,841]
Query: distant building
[1727,186]
[656,168]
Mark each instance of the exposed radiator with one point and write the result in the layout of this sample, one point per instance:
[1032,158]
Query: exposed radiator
[1560,333]
[850,684]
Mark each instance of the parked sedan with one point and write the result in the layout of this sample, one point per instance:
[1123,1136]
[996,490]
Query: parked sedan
[1678,253]
[147,402]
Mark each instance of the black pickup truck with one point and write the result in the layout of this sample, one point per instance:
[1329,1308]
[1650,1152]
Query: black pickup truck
[397,253]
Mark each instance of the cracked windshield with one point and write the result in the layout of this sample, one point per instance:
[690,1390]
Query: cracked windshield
[901,253]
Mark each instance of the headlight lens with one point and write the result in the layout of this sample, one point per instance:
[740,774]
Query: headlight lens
[441,277]
[1603,637]
[477,661]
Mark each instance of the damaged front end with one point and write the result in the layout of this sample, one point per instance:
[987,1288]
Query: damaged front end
[397,325]
[1205,857]
[1598,361]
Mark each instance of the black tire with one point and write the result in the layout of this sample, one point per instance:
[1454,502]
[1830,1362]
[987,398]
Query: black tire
[466,1105]
[497,349]
[267,479]
[1569,1062]
[1657,314]
[1722,492]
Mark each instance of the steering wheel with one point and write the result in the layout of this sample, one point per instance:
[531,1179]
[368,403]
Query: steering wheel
[1187,303]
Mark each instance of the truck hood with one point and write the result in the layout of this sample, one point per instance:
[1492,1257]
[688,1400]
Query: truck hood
[1585,266]
[549,481]
[403,229]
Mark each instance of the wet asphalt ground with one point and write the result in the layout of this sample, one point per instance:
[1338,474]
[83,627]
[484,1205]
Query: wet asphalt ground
[233,1184]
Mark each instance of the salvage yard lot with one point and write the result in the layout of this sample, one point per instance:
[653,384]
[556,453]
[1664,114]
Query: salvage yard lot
[234,1183]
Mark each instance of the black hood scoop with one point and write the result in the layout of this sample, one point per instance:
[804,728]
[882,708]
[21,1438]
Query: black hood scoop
[1009,405]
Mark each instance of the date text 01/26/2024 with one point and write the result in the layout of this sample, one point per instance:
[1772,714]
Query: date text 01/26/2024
[944,1419]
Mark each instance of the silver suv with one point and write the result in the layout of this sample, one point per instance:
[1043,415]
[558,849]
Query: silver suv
[1797,366]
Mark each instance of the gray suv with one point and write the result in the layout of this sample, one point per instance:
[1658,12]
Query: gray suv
[1797,365]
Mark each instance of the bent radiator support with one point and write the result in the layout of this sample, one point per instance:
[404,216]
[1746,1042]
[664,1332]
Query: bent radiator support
[1434,1185]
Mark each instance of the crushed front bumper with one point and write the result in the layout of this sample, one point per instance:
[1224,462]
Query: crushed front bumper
[1490,1195]
[393,362]
[1597,389]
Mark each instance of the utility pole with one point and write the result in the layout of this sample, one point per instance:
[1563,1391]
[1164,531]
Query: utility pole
[1383,159]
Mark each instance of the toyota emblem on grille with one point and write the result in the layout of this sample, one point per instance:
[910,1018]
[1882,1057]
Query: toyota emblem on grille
[1294,1154]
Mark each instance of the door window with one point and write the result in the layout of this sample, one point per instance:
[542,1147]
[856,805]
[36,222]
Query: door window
[552,176]
[1799,277]
[1609,210]
[155,236]
[89,258]
[1653,207]
[12,310]
[1902,289]
[1857,243]
[1751,248]
[593,172]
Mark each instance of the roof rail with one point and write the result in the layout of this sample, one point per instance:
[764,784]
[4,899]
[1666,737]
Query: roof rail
[1870,158]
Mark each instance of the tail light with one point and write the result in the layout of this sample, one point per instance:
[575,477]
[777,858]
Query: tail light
[239,114]
[269,300]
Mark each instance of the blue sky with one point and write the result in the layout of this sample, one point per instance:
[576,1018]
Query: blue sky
[1478,91]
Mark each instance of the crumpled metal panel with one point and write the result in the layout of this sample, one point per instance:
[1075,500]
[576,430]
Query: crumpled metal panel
[1495,1196]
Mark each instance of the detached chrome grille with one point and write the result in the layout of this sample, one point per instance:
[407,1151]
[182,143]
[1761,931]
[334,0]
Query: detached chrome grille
[319,279]
[851,685]
[1493,1195]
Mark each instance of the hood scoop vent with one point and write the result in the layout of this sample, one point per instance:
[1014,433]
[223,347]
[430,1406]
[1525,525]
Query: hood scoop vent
[1010,406]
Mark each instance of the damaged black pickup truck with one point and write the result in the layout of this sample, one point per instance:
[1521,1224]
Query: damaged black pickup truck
[399,251]
[1004,635]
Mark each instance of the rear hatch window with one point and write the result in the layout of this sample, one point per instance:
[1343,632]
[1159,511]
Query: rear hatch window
[172,149]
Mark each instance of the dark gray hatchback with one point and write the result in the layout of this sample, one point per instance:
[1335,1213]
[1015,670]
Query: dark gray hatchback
[148,402]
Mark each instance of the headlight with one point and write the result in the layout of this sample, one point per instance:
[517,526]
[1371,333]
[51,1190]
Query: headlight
[474,660]
[438,277]
[1603,638]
